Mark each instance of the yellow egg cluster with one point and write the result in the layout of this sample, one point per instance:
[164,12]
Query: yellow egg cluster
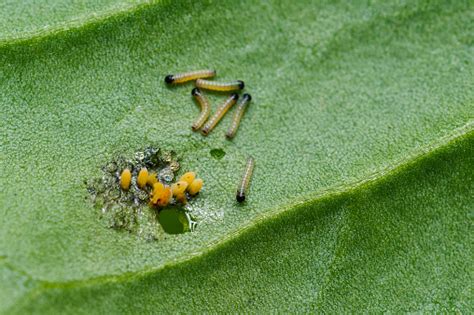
[161,195]
[188,183]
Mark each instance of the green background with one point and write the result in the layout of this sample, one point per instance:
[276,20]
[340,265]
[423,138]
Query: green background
[360,125]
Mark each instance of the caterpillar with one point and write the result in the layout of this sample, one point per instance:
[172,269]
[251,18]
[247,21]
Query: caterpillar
[189,76]
[220,86]
[214,120]
[205,109]
[244,183]
[241,106]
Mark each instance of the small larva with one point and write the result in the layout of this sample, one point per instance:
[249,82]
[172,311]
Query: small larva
[244,184]
[241,106]
[142,177]
[125,179]
[205,108]
[189,76]
[220,86]
[214,120]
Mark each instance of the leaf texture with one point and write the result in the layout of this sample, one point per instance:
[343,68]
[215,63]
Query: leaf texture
[351,102]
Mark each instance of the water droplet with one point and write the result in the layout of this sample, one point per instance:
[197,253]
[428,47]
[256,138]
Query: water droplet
[167,156]
[166,175]
[139,156]
[174,165]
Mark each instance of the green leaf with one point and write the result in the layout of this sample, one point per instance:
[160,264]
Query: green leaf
[388,245]
[360,125]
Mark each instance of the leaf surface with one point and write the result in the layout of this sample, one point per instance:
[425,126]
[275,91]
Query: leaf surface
[343,94]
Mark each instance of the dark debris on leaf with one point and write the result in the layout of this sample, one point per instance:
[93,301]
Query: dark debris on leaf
[128,210]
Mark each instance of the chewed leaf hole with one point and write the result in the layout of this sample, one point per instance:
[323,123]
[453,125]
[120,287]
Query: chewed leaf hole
[131,207]
[217,153]
[176,221]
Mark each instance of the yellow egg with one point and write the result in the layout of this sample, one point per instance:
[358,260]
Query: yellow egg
[142,177]
[195,186]
[158,186]
[154,199]
[188,177]
[151,179]
[179,188]
[181,198]
[125,179]
[156,193]
[164,197]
